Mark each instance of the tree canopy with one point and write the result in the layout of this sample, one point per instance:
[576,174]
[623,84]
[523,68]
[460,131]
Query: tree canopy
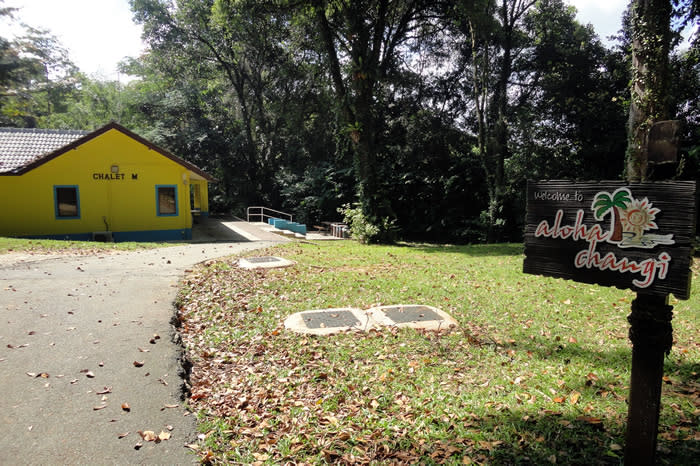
[425,118]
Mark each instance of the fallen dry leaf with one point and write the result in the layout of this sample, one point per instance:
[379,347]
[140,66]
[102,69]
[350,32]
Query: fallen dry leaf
[120,436]
[138,363]
[148,435]
[143,350]
[590,419]
[97,408]
[573,398]
[89,374]
[104,391]
[164,435]
[126,407]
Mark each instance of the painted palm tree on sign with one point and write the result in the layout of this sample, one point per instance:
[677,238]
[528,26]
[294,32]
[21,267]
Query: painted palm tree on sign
[605,203]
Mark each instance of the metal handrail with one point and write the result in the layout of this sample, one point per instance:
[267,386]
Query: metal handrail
[262,213]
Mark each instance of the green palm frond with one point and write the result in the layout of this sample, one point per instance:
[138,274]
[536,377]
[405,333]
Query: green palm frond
[603,200]
[600,212]
[621,198]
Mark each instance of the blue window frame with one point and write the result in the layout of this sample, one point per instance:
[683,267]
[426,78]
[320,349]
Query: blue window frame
[166,200]
[66,202]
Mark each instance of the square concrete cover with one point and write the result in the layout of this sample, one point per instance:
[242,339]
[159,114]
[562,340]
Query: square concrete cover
[403,314]
[413,315]
[327,321]
[263,262]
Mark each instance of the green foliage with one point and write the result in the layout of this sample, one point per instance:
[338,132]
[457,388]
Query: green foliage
[315,194]
[363,229]
[36,76]
[433,115]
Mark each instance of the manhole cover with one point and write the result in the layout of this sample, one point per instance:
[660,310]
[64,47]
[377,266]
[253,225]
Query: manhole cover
[263,262]
[405,314]
[262,259]
[330,319]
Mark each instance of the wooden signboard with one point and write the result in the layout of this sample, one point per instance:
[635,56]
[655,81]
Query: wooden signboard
[628,235]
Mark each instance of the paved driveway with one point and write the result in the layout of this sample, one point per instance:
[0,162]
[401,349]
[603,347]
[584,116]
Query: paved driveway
[73,327]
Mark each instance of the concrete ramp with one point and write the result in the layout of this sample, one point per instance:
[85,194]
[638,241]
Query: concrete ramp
[216,230]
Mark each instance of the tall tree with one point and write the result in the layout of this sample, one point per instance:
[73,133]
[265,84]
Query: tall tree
[36,75]
[364,42]
[236,44]
[239,90]
[494,41]
[651,41]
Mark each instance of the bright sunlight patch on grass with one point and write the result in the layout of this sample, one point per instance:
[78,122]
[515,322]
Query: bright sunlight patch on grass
[537,372]
[48,246]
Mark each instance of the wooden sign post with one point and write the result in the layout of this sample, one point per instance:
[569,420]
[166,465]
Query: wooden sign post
[636,236]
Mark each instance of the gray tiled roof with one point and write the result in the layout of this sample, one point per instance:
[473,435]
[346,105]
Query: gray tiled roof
[19,147]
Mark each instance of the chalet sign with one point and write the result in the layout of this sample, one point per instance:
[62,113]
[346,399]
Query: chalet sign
[628,235]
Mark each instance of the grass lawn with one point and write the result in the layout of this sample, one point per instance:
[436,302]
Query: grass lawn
[536,373]
[49,246]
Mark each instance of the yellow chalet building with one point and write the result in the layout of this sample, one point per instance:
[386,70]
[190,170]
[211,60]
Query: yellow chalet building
[109,184]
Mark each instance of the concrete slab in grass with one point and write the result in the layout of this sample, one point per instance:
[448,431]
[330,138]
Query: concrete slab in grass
[263,262]
[412,315]
[328,321]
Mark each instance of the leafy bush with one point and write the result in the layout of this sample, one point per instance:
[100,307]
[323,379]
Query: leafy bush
[364,230]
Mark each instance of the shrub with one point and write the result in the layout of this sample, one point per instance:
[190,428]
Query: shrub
[364,230]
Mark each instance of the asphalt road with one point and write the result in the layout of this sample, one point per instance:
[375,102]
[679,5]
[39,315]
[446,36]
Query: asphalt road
[71,330]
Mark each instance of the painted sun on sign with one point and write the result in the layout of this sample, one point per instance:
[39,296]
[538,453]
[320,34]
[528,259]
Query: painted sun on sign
[630,219]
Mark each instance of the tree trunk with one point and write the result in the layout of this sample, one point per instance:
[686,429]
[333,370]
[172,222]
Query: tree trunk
[617,225]
[356,98]
[651,35]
